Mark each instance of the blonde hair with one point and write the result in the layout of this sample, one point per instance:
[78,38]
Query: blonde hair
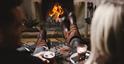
[107,32]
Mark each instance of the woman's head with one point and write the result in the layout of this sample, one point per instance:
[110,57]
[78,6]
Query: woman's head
[10,22]
[107,31]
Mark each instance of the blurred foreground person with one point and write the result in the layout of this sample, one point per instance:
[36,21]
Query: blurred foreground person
[11,18]
[107,33]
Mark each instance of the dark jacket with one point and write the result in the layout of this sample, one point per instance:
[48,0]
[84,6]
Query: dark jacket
[11,56]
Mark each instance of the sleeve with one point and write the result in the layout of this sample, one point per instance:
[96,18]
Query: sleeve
[37,60]
[27,58]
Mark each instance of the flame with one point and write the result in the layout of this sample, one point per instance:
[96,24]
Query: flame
[56,11]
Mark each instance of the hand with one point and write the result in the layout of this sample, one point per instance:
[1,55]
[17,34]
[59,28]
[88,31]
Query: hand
[40,56]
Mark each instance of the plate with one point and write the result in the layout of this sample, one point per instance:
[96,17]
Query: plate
[49,54]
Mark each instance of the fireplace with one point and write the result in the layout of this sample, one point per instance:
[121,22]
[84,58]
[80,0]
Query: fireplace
[56,12]
[48,4]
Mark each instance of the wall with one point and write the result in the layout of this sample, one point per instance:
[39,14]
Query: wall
[29,9]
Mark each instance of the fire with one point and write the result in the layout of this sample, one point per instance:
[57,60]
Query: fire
[56,11]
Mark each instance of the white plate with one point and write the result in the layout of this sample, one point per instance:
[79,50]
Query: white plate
[49,54]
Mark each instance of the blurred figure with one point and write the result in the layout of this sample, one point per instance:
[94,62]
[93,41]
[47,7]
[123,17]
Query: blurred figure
[107,33]
[72,35]
[73,39]
[42,50]
[72,31]
[11,18]
[41,44]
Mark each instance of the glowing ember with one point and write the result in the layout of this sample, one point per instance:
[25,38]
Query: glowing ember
[56,11]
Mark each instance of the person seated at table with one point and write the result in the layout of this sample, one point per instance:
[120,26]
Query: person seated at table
[78,45]
[72,35]
[11,18]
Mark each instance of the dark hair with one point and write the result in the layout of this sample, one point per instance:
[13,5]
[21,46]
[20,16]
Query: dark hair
[8,29]
[6,15]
